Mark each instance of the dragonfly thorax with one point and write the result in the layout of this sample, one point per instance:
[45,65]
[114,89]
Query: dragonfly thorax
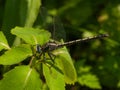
[50,46]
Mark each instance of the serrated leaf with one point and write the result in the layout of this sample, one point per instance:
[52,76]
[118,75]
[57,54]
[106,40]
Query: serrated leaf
[21,78]
[15,55]
[65,63]
[31,35]
[54,79]
[33,10]
[3,42]
[89,80]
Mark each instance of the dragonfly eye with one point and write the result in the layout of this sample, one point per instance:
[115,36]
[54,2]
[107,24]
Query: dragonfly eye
[38,48]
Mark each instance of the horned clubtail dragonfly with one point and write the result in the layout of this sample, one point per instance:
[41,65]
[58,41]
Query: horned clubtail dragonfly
[52,45]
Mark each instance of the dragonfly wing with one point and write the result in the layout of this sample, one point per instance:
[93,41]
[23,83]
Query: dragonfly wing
[59,31]
[53,24]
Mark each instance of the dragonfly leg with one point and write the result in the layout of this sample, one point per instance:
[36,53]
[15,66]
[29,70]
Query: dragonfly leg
[44,58]
[51,56]
[40,55]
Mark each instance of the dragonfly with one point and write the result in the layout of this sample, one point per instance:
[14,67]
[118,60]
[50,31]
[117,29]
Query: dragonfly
[53,45]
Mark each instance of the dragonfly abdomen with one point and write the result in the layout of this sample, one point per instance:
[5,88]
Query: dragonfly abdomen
[83,40]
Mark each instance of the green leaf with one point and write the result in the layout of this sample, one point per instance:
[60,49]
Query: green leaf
[65,63]
[3,42]
[21,78]
[33,10]
[89,80]
[31,35]
[10,18]
[15,55]
[54,79]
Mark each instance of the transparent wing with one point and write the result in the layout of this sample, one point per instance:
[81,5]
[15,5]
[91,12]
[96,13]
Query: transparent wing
[52,24]
[59,31]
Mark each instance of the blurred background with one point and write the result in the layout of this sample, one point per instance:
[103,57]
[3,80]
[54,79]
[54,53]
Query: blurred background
[97,62]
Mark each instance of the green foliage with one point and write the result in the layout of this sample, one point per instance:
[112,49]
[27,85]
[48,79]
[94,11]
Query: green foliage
[64,62]
[32,12]
[97,63]
[85,77]
[32,36]
[15,55]
[89,80]
[3,42]
[21,78]
[54,79]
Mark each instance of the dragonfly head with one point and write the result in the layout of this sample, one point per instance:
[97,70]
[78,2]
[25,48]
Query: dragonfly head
[38,48]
